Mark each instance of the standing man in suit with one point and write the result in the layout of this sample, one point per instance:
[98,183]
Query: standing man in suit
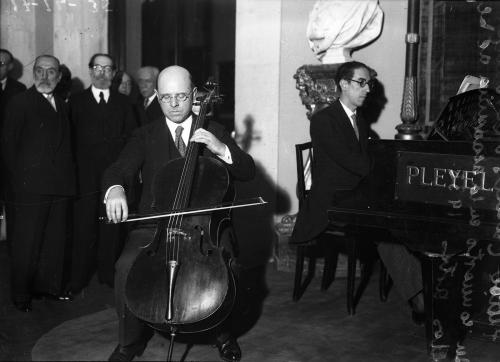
[148,108]
[40,174]
[148,150]
[9,87]
[102,120]
[341,162]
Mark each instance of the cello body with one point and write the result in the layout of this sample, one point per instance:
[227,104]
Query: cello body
[202,290]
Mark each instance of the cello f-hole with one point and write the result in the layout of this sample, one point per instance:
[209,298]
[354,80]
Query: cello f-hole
[203,250]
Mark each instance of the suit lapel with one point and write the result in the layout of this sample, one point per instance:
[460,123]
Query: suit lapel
[166,143]
[344,122]
[363,132]
[43,105]
[61,118]
[151,110]
[47,114]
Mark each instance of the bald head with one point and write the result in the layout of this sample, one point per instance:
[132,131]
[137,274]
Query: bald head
[174,76]
[146,80]
[174,84]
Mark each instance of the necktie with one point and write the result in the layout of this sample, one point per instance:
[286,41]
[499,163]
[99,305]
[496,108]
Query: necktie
[146,101]
[101,98]
[50,98]
[355,125]
[179,143]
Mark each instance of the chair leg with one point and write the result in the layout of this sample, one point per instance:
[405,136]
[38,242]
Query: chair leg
[351,274]
[331,259]
[366,273]
[299,284]
[299,267]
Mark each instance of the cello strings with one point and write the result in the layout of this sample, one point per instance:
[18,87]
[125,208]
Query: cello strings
[182,194]
[191,160]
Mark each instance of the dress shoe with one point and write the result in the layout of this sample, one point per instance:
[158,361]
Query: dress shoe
[127,353]
[418,318]
[63,297]
[418,309]
[23,306]
[229,351]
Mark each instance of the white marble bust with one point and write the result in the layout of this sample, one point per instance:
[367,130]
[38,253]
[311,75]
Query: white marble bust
[336,27]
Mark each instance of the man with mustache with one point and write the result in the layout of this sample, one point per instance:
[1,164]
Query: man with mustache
[37,152]
[102,120]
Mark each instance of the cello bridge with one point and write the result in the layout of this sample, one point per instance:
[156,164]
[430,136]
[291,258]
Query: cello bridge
[176,232]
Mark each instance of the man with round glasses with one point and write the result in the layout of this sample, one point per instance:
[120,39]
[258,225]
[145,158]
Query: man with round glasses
[149,149]
[36,146]
[339,137]
[341,161]
[102,120]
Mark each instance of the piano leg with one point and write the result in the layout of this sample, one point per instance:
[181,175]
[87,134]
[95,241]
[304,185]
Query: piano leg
[445,330]
[427,277]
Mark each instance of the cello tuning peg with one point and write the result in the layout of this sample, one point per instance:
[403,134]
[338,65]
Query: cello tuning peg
[211,83]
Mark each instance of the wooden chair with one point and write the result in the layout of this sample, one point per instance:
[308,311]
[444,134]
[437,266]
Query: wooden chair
[328,245]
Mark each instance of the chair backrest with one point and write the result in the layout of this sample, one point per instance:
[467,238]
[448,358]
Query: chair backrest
[304,157]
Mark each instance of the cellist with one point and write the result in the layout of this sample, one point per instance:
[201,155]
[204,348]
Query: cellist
[149,148]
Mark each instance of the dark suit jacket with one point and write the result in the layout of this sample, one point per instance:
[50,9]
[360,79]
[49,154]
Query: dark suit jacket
[100,133]
[37,146]
[12,87]
[340,163]
[151,147]
[153,112]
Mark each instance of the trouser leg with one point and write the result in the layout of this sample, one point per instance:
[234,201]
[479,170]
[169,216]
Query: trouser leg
[230,325]
[30,217]
[49,276]
[110,245]
[10,212]
[403,267]
[131,328]
[84,247]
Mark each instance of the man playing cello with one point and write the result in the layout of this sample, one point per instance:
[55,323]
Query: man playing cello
[148,150]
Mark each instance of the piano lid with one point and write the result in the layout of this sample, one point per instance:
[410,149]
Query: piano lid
[468,116]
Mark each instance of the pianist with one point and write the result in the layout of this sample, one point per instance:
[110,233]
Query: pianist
[341,161]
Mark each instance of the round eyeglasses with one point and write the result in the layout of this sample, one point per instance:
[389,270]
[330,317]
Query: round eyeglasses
[179,97]
[102,68]
[362,82]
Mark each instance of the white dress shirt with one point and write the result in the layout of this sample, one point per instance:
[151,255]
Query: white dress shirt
[50,98]
[96,91]
[150,100]
[349,113]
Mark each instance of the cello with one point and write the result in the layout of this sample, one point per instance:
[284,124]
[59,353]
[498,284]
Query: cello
[182,281]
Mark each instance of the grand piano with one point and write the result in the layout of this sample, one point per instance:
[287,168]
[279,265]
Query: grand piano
[441,198]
